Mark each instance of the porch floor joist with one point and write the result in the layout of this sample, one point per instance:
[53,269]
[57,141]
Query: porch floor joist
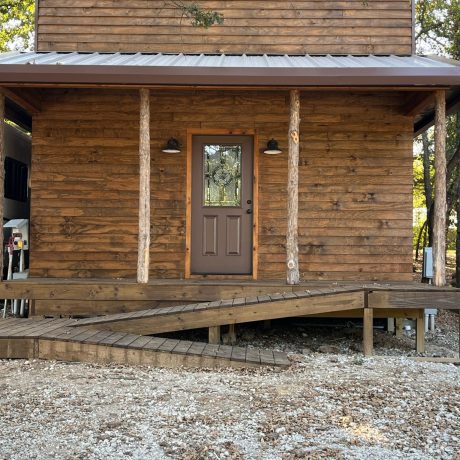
[231,311]
[57,339]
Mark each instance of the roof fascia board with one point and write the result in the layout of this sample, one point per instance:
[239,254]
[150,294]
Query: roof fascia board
[274,76]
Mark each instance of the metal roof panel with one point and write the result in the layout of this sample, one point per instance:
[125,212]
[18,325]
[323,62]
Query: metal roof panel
[219,60]
[227,69]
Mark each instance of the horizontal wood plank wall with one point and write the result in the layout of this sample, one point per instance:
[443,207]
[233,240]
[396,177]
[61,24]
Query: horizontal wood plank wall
[355,191]
[84,204]
[355,188]
[355,180]
[250,26]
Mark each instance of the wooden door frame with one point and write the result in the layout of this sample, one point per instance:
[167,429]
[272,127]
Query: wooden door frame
[255,198]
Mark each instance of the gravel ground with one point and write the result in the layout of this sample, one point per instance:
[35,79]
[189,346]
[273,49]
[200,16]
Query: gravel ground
[335,405]
[325,406]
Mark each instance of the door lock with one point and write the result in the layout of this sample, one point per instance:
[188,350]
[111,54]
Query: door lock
[249,211]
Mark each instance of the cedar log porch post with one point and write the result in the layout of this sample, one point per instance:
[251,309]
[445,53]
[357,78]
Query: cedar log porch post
[2,173]
[440,205]
[292,247]
[143,253]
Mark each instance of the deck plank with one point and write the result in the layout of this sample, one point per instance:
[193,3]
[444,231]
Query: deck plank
[182,347]
[168,345]
[139,342]
[154,343]
[126,340]
[196,348]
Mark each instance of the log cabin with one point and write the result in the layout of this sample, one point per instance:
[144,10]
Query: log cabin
[272,153]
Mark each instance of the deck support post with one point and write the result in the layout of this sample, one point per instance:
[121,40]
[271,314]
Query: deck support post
[368,331]
[2,172]
[214,335]
[420,331]
[440,191]
[143,254]
[292,247]
[399,327]
[232,334]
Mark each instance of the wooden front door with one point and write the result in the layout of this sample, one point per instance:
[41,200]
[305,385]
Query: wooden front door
[222,205]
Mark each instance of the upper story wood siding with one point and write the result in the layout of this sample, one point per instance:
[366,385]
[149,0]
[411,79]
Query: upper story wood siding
[250,26]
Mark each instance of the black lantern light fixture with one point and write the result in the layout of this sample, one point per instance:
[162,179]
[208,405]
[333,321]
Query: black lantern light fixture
[272,148]
[172,146]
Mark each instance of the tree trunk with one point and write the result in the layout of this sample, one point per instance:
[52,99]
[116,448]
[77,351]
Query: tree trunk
[143,254]
[440,204]
[2,174]
[427,186]
[457,243]
[292,246]
[419,238]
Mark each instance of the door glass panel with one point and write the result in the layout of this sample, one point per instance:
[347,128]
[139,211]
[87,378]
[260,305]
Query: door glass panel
[222,175]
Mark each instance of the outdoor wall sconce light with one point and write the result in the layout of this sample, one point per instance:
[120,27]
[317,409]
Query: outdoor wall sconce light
[272,148]
[172,146]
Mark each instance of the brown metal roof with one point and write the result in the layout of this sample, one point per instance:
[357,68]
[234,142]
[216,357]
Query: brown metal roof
[226,70]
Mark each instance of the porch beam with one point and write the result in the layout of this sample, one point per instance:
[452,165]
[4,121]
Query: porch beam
[2,171]
[440,200]
[143,254]
[292,247]
[417,103]
[28,103]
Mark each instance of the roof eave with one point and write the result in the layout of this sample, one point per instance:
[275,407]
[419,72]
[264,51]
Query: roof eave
[231,76]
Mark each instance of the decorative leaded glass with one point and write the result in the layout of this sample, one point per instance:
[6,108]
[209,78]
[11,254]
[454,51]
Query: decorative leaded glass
[222,175]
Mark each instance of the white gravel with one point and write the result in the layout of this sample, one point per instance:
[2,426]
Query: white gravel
[325,406]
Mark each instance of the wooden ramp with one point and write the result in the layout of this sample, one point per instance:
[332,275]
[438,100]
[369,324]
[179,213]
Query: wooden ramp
[232,311]
[66,340]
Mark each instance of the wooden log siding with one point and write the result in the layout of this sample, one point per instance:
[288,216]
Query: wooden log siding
[355,182]
[297,27]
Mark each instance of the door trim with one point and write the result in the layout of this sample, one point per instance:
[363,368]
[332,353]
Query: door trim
[188,198]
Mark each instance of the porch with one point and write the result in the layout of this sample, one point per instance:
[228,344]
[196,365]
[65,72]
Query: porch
[112,211]
[108,202]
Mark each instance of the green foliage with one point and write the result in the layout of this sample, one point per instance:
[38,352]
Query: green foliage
[16,24]
[198,16]
[438,26]
[419,191]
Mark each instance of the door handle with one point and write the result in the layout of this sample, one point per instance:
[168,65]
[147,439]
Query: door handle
[249,211]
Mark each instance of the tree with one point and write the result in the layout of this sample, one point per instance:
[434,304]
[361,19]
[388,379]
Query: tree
[198,16]
[16,24]
[438,26]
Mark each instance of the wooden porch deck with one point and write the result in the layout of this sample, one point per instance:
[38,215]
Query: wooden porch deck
[90,297]
[192,304]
